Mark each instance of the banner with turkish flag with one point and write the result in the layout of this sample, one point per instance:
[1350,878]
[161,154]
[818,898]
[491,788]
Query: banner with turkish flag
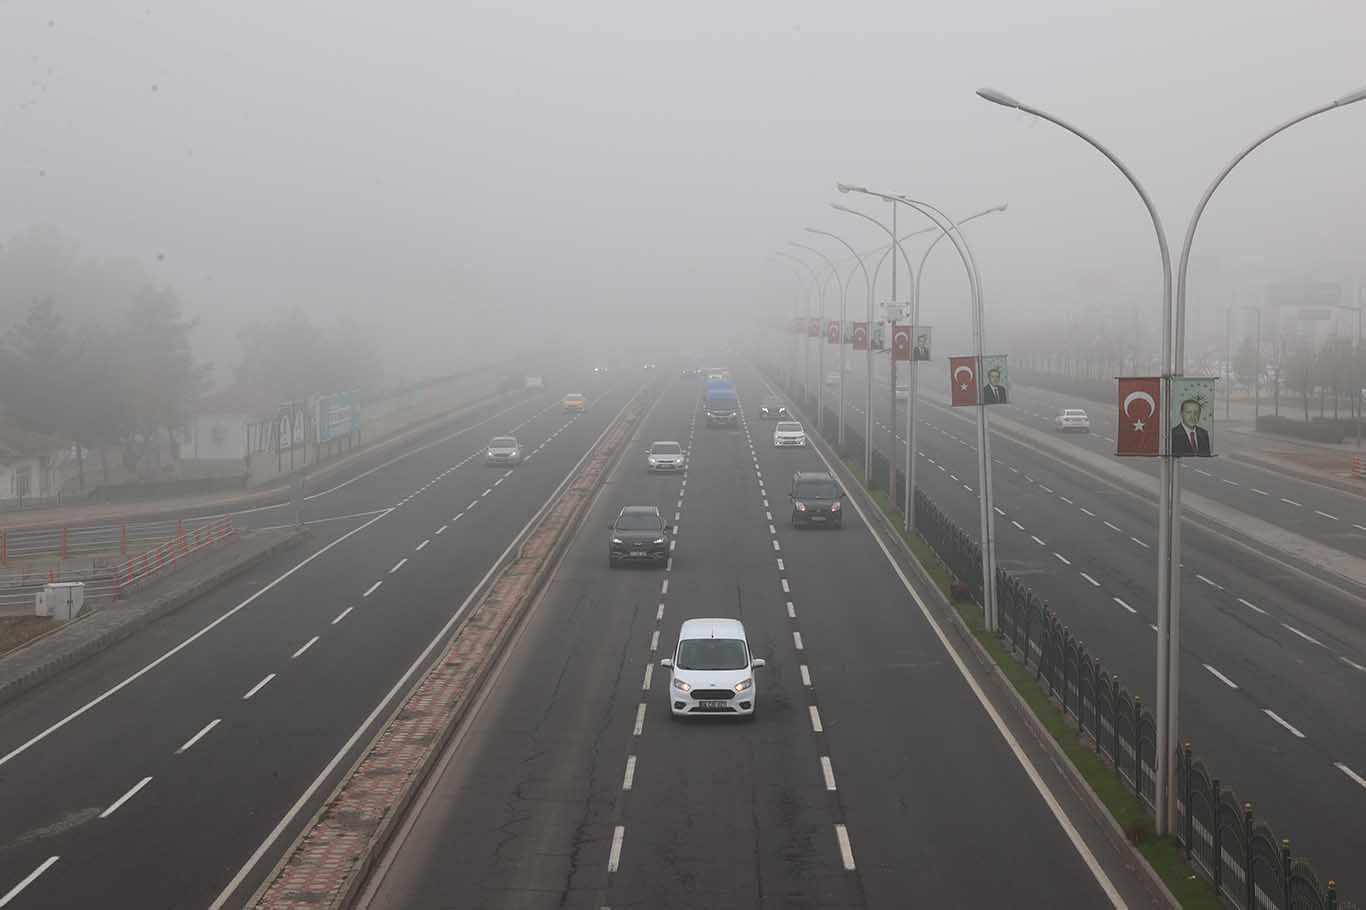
[813,327]
[860,336]
[901,343]
[832,331]
[1140,416]
[963,380]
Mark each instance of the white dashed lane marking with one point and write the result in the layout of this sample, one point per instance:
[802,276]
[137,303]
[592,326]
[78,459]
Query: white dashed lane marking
[342,615]
[304,647]
[258,687]
[125,797]
[1283,722]
[198,736]
[1309,638]
[1124,605]
[1221,677]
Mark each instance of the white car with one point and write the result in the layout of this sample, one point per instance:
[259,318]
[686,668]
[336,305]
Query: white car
[712,670]
[665,456]
[504,450]
[788,433]
[832,378]
[1072,420]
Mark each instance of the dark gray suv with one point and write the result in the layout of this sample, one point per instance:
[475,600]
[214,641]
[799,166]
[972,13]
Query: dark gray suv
[639,534]
[816,500]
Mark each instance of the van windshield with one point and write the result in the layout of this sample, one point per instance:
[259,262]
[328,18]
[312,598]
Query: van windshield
[816,489]
[711,654]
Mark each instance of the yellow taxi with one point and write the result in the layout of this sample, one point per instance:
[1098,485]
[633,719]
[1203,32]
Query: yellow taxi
[574,402]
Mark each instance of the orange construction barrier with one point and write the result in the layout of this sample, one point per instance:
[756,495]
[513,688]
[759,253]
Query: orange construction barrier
[1359,467]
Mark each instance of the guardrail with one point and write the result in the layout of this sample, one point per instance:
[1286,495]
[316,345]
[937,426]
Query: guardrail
[112,583]
[18,544]
[1238,854]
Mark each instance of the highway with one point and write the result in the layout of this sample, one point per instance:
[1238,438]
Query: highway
[871,776]
[185,759]
[1273,666]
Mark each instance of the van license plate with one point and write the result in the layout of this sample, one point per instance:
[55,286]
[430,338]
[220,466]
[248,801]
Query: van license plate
[712,705]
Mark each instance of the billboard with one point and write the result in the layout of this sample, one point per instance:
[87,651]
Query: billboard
[337,416]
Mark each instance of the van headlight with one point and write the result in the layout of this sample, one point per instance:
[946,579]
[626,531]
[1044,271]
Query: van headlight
[616,540]
[681,686]
[800,506]
[835,506]
[659,540]
[744,685]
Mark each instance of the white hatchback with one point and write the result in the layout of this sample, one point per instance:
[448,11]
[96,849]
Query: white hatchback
[1072,419]
[788,433]
[712,670]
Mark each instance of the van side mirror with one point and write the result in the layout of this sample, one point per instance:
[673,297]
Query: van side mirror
[758,663]
[668,529]
[667,662]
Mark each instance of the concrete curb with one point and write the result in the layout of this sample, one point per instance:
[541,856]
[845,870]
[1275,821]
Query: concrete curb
[950,618]
[163,606]
[360,862]
[1338,484]
[276,491]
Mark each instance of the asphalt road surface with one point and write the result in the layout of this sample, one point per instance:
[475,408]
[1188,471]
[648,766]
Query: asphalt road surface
[185,759]
[870,776]
[1273,667]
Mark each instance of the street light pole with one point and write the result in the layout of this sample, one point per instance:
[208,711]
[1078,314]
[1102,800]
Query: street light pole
[820,350]
[985,515]
[868,429]
[806,331]
[1168,489]
[891,458]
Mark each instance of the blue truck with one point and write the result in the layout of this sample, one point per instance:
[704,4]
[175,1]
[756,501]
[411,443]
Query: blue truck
[721,404]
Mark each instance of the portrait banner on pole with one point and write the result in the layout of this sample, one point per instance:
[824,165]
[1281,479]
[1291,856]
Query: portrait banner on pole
[1190,414]
[996,387]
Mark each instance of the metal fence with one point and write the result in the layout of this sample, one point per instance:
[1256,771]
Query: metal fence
[1241,856]
[19,544]
[113,582]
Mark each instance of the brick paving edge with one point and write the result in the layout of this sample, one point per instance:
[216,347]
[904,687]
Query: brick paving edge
[161,608]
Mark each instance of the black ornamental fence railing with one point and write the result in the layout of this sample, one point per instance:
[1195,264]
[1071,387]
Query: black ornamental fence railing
[1238,854]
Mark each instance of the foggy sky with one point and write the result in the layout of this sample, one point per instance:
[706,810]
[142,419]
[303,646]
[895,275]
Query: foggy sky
[455,174]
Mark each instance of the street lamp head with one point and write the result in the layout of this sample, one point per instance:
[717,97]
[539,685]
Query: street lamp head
[843,208]
[1351,97]
[1002,207]
[850,188]
[995,97]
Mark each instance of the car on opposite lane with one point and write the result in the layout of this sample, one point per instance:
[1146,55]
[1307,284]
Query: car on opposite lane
[665,455]
[816,500]
[574,403]
[503,450]
[772,409]
[788,433]
[712,670]
[1073,420]
[638,534]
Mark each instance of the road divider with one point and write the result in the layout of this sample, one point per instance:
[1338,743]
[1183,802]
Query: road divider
[329,861]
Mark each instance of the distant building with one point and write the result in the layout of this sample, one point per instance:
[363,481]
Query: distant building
[32,465]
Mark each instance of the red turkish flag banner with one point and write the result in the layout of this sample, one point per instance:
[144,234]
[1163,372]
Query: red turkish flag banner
[860,336]
[901,343]
[1140,416]
[963,380]
[813,327]
[832,331]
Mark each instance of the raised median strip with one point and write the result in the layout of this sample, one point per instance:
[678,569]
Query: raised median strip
[329,861]
[43,658]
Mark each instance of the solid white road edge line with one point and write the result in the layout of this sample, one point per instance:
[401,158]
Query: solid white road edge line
[1030,770]
[346,747]
[37,738]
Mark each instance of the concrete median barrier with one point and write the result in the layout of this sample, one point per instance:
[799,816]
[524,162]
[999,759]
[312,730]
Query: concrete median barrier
[329,861]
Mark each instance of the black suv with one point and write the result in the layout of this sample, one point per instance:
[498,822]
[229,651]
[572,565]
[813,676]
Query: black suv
[639,534]
[816,500]
[772,409]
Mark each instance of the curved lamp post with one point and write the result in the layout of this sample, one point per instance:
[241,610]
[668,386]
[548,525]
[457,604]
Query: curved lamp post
[1168,525]
[891,432]
[868,428]
[806,334]
[821,342]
